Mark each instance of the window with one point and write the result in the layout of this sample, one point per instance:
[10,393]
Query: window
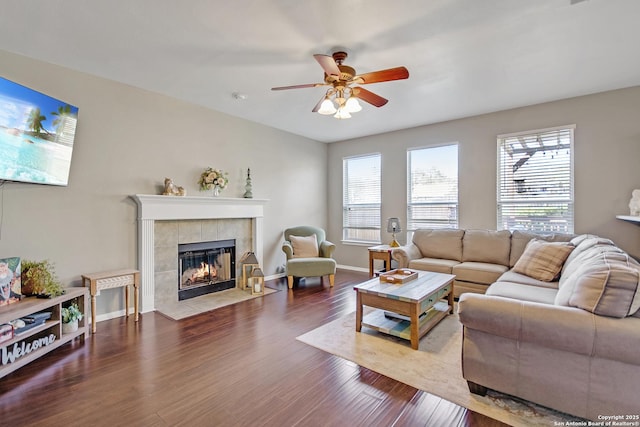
[361,199]
[433,188]
[535,180]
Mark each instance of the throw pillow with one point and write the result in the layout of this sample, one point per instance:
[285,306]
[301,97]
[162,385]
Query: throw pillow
[304,246]
[543,260]
[606,285]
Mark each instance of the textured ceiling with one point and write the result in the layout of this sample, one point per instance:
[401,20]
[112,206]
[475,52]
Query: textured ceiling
[465,57]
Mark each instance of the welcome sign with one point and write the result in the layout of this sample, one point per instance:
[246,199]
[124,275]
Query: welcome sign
[23,348]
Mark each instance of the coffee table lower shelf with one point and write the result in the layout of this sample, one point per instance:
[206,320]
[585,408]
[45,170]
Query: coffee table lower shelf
[401,328]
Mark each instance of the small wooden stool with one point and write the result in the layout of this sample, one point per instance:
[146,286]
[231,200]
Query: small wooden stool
[109,280]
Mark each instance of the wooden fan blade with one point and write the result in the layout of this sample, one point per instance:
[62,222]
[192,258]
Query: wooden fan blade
[398,73]
[298,86]
[328,64]
[370,97]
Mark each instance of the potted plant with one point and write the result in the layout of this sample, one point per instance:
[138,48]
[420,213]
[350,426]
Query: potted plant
[39,278]
[70,317]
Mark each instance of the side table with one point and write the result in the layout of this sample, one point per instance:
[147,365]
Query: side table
[381,252]
[109,280]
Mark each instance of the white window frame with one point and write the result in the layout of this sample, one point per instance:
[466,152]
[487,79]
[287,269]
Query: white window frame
[508,200]
[368,226]
[451,205]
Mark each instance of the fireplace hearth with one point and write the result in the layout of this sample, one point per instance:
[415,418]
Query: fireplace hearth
[206,267]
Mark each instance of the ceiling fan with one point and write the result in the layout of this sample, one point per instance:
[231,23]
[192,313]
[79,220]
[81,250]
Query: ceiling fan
[342,97]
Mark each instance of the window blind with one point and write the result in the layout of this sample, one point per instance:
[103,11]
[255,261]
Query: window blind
[361,199]
[535,181]
[432,201]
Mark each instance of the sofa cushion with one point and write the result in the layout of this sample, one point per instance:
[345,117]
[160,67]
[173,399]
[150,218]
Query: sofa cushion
[304,246]
[433,264]
[543,260]
[522,292]
[460,288]
[311,267]
[439,243]
[478,272]
[606,285]
[523,279]
[587,246]
[519,240]
[579,239]
[488,246]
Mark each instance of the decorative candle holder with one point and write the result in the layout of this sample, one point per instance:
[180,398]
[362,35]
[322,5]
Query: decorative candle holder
[247,187]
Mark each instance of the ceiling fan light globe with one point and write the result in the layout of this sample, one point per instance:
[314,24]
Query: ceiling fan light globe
[327,108]
[342,113]
[352,105]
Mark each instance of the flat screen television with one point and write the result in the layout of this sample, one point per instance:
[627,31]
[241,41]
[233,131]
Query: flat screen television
[37,133]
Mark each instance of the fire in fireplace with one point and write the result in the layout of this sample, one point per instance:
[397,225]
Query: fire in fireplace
[206,267]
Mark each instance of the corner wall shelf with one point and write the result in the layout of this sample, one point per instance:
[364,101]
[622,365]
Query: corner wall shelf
[629,218]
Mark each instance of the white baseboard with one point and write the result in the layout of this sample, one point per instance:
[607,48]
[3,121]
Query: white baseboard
[275,276]
[344,267]
[352,268]
[112,315]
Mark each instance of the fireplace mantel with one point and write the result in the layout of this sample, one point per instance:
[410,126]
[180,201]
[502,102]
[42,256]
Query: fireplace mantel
[153,208]
[192,207]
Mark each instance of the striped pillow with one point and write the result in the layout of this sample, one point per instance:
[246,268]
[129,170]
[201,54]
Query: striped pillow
[543,260]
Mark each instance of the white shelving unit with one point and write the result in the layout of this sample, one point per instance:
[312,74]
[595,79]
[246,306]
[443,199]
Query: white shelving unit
[629,218]
[53,326]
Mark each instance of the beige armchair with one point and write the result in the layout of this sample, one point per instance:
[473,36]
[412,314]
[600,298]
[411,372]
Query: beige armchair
[306,256]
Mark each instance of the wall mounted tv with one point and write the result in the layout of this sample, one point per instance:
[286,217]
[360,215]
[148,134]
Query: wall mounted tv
[36,135]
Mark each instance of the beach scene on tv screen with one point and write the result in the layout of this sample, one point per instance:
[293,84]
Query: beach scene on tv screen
[37,133]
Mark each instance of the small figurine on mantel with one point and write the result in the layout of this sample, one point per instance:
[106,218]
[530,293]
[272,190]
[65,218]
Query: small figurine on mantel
[634,203]
[247,187]
[170,189]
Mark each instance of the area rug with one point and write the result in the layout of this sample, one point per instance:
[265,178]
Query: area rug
[192,306]
[434,368]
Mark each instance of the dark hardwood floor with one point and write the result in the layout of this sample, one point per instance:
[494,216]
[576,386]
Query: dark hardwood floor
[236,366]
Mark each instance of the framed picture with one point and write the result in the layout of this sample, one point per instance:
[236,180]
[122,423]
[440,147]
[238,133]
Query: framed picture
[10,284]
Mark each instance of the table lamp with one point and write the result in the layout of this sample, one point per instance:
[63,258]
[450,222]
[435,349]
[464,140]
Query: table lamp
[393,226]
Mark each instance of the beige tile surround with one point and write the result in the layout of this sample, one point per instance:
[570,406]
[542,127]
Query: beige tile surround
[167,236]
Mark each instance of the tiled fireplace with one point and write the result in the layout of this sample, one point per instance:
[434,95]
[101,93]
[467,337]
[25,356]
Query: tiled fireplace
[165,222]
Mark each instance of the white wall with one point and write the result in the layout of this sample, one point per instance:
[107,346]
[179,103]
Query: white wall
[127,141]
[607,150]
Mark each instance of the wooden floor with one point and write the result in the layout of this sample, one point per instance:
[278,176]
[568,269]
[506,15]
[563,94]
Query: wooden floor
[236,366]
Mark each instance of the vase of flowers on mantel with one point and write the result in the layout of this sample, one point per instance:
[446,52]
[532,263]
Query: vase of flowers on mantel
[213,179]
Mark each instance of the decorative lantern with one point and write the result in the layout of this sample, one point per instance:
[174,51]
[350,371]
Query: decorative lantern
[256,281]
[249,262]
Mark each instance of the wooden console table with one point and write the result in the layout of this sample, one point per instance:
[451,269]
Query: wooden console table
[109,280]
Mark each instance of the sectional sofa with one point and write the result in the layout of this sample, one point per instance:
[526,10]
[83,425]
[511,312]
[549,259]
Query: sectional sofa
[560,326]
[477,257]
